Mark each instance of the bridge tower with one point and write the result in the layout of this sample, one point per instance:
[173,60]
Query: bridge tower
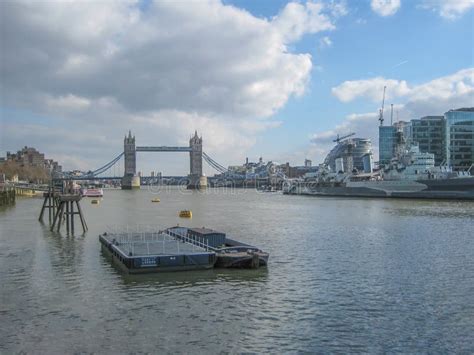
[196,179]
[130,179]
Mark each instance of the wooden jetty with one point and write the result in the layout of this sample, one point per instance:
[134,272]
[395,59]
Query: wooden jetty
[7,195]
[62,207]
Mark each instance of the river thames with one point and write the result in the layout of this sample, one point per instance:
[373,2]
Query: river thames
[344,275]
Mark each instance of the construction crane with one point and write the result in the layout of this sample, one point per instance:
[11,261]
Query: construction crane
[383,104]
[338,139]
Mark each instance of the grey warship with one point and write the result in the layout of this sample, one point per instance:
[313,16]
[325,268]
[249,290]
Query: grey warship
[409,175]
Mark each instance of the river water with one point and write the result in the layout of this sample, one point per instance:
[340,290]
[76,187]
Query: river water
[345,275]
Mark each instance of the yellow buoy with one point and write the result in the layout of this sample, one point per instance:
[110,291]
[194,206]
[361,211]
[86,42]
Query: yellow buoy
[186,214]
[155,200]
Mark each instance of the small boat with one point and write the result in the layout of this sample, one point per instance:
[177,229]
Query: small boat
[95,202]
[230,253]
[156,199]
[92,192]
[185,214]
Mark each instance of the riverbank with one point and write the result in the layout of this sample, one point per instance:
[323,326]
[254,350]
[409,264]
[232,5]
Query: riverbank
[7,196]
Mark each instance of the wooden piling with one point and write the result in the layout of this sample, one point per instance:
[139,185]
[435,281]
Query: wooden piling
[7,196]
[61,207]
[50,203]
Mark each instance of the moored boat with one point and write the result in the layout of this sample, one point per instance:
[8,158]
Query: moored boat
[409,175]
[92,192]
[230,253]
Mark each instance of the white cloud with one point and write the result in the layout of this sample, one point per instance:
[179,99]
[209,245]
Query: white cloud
[449,9]
[325,42]
[414,101]
[105,67]
[385,7]
[461,82]
[67,102]
[370,88]
[298,19]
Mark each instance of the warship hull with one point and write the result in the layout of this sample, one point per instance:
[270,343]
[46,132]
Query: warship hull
[451,189]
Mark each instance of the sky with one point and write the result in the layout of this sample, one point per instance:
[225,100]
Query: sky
[267,78]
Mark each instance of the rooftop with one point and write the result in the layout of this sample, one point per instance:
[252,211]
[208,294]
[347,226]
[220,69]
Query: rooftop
[204,231]
[465,109]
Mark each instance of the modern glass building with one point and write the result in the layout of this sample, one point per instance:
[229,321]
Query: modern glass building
[406,129]
[352,152]
[387,141]
[429,133]
[459,135]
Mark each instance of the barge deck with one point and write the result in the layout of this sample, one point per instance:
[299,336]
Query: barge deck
[230,253]
[156,252]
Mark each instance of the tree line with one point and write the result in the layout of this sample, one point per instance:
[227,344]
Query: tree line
[33,174]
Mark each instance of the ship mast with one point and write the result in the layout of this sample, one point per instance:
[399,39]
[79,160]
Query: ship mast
[383,104]
[391,115]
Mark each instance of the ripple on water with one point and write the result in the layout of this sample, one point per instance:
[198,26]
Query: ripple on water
[355,275]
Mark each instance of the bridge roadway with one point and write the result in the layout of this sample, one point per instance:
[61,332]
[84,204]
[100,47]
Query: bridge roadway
[77,178]
[92,178]
[163,149]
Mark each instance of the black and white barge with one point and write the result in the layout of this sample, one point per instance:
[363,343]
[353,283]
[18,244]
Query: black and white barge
[230,253]
[149,252]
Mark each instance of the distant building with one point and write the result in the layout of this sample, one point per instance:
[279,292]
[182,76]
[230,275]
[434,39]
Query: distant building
[429,133]
[351,151]
[30,157]
[459,137]
[27,157]
[307,163]
[406,128]
[387,141]
[296,171]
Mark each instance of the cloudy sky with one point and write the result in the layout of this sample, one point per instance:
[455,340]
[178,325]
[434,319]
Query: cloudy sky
[264,78]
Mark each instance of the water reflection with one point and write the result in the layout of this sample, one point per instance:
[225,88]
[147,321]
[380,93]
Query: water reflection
[345,274]
[191,278]
[438,209]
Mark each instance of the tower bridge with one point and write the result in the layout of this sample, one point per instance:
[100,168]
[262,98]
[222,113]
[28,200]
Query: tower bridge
[131,180]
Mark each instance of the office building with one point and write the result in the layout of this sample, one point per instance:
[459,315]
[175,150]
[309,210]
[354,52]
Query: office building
[429,133]
[351,151]
[387,141]
[459,137]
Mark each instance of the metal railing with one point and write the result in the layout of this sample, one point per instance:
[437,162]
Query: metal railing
[200,242]
[128,240]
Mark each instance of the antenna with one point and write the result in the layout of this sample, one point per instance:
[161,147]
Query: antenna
[383,104]
[391,114]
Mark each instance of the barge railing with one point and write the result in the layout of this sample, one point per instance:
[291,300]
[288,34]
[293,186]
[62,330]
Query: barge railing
[200,242]
[131,239]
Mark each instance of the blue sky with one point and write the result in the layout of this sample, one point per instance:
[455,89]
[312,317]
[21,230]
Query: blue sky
[413,45]
[264,78]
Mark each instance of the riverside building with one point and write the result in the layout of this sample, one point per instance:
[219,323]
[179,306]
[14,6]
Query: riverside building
[349,154]
[459,138]
[387,141]
[429,133]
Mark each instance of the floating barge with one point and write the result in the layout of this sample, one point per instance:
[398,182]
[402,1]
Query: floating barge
[149,252]
[230,253]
